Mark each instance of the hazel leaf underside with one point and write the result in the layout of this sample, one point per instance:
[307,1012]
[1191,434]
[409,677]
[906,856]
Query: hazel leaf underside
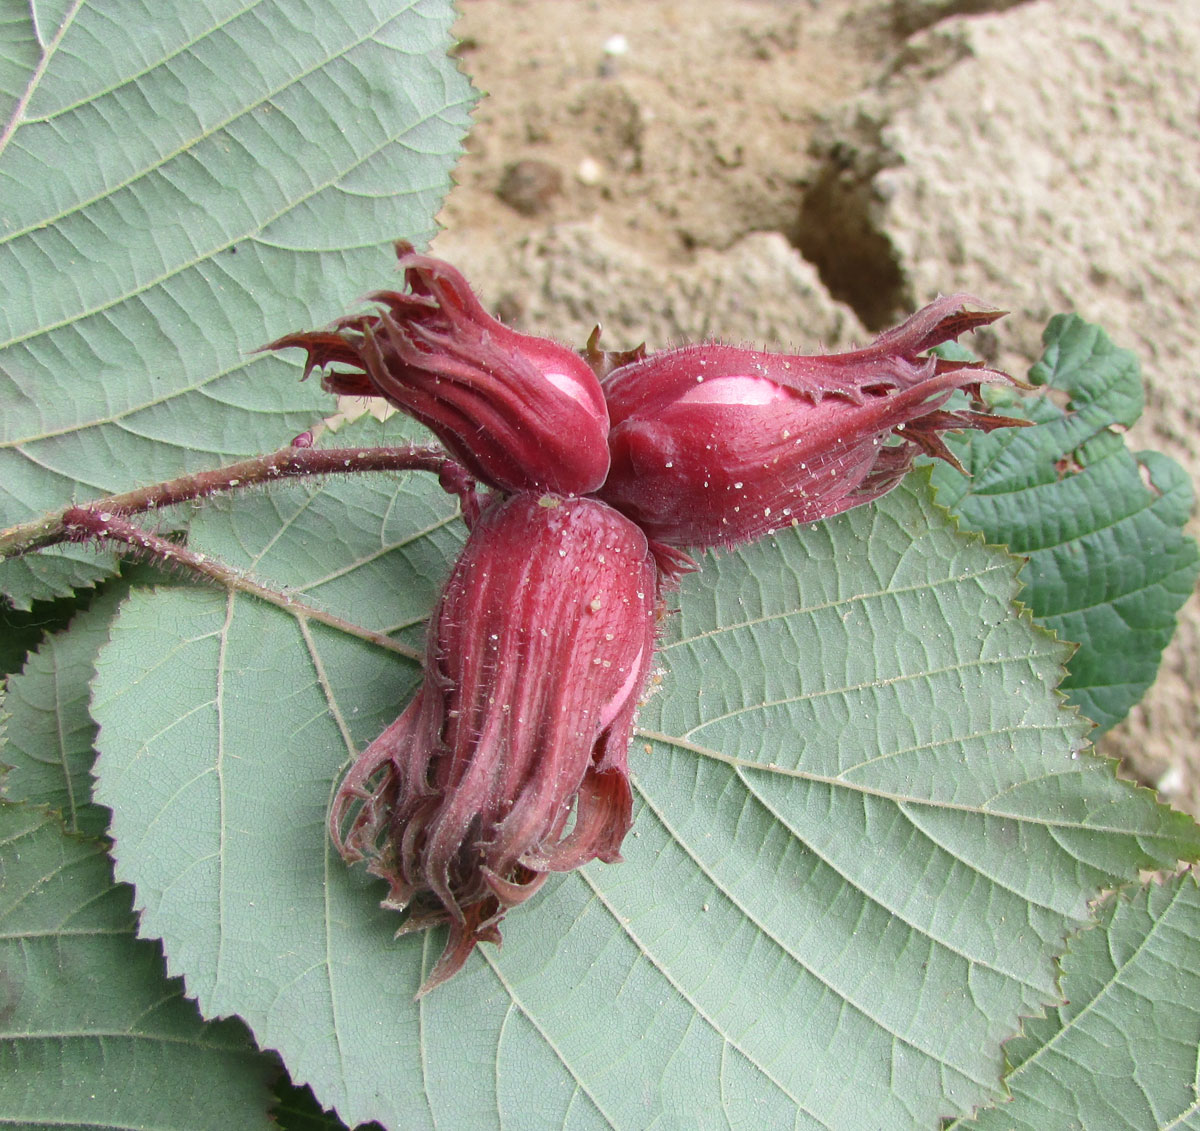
[1123,1053]
[91,1033]
[226,174]
[864,827]
[1109,564]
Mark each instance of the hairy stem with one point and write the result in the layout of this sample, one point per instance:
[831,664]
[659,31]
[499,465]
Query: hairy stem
[92,524]
[287,463]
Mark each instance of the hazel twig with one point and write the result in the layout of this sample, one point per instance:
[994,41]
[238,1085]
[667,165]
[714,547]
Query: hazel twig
[287,463]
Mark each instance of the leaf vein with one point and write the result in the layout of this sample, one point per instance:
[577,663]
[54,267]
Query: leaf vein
[375,555]
[886,681]
[826,779]
[838,602]
[1118,969]
[679,989]
[195,261]
[214,129]
[784,949]
[562,1059]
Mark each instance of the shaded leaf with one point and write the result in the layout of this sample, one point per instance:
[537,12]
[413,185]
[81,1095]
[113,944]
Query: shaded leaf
[298,1110]
[226,174]
[22,630]
[1122,1054]
[60,572]
[864,829]
[1109,565]
[91,1034]
[50,732]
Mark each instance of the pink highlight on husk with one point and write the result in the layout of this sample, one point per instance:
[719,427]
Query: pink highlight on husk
[735,390]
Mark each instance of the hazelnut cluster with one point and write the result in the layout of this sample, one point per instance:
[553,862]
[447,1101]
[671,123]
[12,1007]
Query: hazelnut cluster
[603,469]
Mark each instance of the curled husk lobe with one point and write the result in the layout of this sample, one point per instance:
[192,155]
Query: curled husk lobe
[715,445]
[520,412]
[510,762]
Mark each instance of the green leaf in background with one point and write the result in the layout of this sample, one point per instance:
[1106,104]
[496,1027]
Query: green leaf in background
[91,1035]
[180,182]
[1109,565]
[1123,1054]
[56,573]
[298,1110]
[864,828]
[48,750]
[22,630]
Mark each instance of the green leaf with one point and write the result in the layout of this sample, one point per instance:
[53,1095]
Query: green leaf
[49,734]
[91,1033]
[22,630]
[60,572]
[208,176]
[863,830]
[1109,565]
[298,1110]
[1122,1054]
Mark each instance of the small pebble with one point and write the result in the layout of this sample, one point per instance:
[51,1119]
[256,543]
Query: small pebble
[589,172]
[530,186]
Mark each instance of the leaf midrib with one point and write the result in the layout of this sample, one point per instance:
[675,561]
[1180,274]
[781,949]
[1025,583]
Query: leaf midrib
[17,118]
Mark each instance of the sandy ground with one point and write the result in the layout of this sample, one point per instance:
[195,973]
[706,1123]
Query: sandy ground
[800,173]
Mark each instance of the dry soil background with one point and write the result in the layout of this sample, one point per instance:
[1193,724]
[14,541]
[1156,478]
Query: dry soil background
[799,173]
